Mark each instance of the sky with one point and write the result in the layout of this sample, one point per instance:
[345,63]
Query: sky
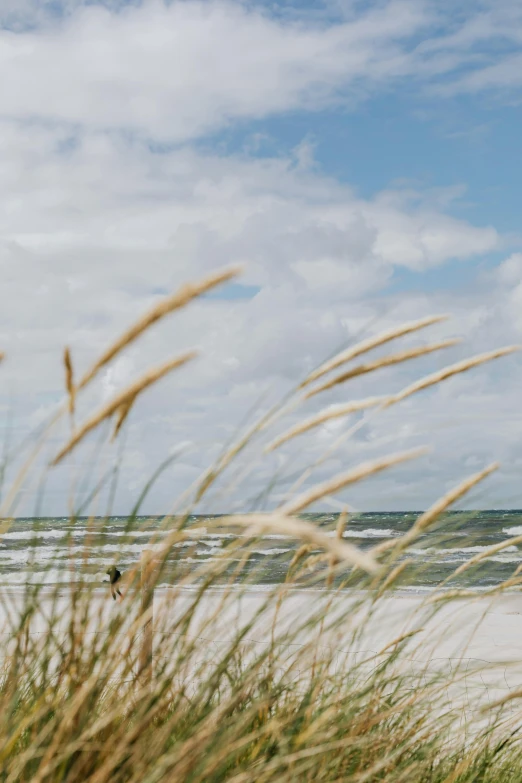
[361,160]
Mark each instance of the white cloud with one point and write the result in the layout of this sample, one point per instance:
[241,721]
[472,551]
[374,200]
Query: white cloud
[479,51]
[189,68]
[95,225]
[184,69]
[509,275]
[91,234]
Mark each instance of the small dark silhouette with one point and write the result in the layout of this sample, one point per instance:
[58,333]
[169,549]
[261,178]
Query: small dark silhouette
[114,577]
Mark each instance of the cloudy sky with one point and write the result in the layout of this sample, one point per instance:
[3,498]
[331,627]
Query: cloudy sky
[362,160]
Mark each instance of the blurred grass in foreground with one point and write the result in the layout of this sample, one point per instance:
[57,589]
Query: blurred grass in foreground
[258,696]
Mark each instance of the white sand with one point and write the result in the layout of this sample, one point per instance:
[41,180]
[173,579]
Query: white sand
[475,634]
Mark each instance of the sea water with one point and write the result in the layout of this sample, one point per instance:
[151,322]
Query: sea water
[55,550]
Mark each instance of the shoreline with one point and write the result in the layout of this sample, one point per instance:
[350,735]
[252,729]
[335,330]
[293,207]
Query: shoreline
[264,588]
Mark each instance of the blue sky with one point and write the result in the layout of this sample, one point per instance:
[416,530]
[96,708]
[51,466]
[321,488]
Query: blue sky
[360,159]
[393,138]
[469,144]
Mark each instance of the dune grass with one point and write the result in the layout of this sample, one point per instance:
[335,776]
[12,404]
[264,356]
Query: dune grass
[189,688]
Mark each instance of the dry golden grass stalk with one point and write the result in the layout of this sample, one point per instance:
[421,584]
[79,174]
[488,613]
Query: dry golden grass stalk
[221,464]
[491,550]
[69,378]
[278,522]
[336,483]
[429,516]
[453,595]
[371,342]
[460,769]
[303,550]
[333,412]
[502,587]
[341,524]
[127,395]
[5,525]
[434,512]
[399,640]
[456,594]
[384,361]
[315,560]
[448,372]
[123,412]
[509,697]
[182,297]
[393,576]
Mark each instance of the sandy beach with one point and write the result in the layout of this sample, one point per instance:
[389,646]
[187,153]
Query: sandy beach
[480,637]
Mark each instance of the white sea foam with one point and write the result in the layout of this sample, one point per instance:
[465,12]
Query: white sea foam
[209,559]
[118,548]
[242,535]
[195,532]
[51,576]
[20,556]
[136,533]
[62,553]
[76,532]
[274,536]
[370,532]
[507,559]
[29,534]
[471,550]
[512,531]
[493,558]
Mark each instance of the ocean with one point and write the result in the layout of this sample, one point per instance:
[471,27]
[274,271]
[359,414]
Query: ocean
[52,551]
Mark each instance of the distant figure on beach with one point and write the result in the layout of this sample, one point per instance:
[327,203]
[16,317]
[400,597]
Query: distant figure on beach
[114,577]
